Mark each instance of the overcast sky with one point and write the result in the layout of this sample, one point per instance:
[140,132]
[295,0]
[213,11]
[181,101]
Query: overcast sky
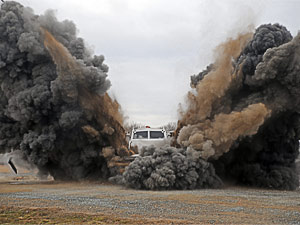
[153,46]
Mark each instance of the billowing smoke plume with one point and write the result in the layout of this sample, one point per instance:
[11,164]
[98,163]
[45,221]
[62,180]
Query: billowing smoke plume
[242,122]
[53,103]
[169,168]
[252,123]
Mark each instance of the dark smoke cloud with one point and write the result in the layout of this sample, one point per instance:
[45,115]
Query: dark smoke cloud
[269,157]
[266,72]
[169,168]
[53,107]
[267,36]
[242,118]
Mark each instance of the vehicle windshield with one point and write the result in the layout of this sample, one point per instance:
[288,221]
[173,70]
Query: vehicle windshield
[140,135]
[156,134]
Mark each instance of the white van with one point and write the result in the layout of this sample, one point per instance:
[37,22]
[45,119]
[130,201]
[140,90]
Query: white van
[148,136]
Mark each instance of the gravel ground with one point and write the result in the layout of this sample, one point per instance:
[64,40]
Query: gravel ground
[237,205]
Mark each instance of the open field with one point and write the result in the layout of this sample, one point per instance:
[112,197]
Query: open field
[25,200]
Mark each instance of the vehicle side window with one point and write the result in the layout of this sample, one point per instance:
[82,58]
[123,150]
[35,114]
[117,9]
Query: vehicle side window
[156,134]
[141,135]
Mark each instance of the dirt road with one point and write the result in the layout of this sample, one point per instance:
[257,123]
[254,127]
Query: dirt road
[121,205]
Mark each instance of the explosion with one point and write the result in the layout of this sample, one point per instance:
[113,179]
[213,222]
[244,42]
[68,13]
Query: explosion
[54,110]
[241,124]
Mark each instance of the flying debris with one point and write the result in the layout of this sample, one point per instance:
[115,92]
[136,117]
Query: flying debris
[12,165]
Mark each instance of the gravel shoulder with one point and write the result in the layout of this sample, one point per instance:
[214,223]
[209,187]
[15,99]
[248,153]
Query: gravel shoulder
[231,205]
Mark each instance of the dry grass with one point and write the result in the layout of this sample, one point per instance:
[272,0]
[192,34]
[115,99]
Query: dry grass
[17,215]
[28,201]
